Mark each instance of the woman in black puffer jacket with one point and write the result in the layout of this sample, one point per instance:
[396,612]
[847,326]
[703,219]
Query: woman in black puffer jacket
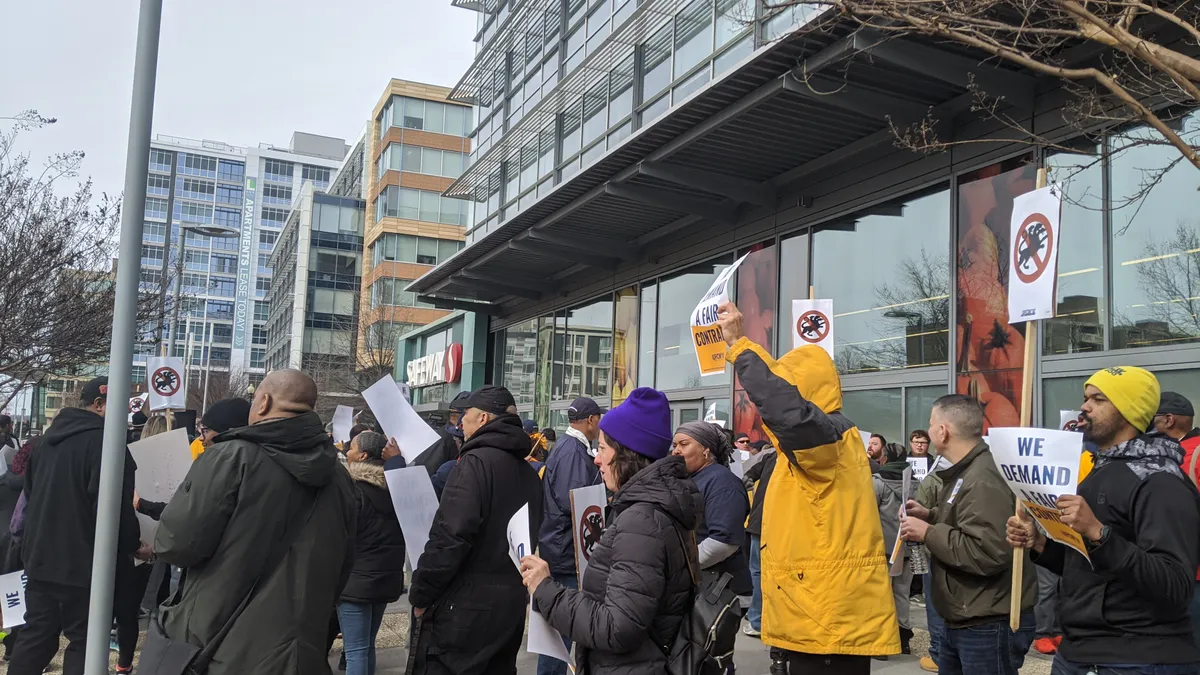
[637,588]
[377,577]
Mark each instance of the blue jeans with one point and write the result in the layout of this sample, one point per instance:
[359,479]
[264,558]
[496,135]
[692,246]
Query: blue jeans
[360,625]
[933,620]
[1064,667]
[986,649]
[546,664]
[754,614]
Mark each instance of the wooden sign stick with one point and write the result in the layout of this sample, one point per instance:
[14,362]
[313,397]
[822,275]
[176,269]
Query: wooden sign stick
[1031,347]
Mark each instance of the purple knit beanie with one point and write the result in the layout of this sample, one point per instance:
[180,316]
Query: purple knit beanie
[641,423]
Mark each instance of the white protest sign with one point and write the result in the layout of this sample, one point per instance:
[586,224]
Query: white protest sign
[812,324]
[1068,420]
[1034,242]
[136,404]
[164,375]
[1041,465]
[735,465]
[163,462]
[896,560]
[343,420]
[543,638]
[866,438]
[12,595]
[920,467]
[587,522]
[398,419]
[710,344]
[416,504]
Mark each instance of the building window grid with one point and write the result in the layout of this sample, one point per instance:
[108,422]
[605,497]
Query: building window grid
[234,172]
[279,171]
[160,160]
[277,194]
[197,165]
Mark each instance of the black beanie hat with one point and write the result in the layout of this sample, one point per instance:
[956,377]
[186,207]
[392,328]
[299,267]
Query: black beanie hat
[230,413]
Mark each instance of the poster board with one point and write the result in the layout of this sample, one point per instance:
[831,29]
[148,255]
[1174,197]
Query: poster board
[343,421]
[706,334]
[398,419]
[1034,242]
[812,324]
[542,637]
[587,522]
[416,504]
[164,377]
[1041,465]
[12,595]
[163,462]
[920,467]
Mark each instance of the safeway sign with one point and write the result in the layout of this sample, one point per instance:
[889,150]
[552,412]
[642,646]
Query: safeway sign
[437,368]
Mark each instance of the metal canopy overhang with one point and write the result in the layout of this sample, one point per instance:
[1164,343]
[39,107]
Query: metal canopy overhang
[731,146]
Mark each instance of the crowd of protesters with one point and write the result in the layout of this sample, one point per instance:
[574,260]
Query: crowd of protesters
[279,540]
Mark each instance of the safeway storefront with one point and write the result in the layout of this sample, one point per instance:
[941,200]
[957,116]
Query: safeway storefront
[442,358]
[588,287]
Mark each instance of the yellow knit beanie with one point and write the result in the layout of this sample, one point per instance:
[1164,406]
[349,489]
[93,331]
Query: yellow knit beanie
[1134,392]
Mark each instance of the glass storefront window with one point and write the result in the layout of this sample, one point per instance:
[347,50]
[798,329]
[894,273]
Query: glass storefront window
[918,403]
[625,344]
[891,311]
[1079,325]
[518,360]
[876,411]
[793,282]
[588,362]
[648,335]
[545,342]
[1155,240]
[676,366]
[1060,393]
[756,295]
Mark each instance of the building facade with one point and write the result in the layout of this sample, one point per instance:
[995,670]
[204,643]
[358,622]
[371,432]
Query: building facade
[626,152]
[416,148]
[229,203]
[442,358]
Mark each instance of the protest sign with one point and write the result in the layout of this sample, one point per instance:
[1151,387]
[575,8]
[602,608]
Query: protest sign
[1041,465]
[866,438]
[343,421]
[587,522]
[163,462]
[543,638]
[136,404]
[812,324]
[12,595]
[710,344]
[1033,269]
[1068,420]
[399,421]
[896,560]
[920,467]
[416,504]
[165,379]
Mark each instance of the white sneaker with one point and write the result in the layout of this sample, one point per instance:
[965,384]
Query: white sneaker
[750,631]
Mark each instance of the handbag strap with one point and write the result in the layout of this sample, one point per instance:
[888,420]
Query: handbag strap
[200,663]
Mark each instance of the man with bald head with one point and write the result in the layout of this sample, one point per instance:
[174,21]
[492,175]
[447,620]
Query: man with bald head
[265,514]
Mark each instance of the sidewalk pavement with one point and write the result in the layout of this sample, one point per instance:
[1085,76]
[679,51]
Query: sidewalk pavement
[750,655]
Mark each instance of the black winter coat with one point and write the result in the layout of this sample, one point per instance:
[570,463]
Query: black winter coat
[62,483]
[10,491]
[378,571]
[239,500]
[445,450]
[465,577]
[637,587]
[1130,605]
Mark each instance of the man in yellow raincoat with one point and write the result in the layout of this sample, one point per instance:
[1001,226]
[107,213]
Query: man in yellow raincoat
[827,596]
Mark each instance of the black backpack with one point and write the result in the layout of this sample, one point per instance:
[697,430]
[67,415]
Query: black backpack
[704,645]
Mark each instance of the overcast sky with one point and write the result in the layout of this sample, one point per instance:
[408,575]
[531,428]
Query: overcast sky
[239,71]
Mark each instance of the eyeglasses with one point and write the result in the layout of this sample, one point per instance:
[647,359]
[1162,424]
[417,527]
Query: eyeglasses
[919,442]
[743,441]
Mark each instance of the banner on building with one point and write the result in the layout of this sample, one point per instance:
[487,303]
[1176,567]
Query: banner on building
[706,334]
[1033,264]
[1041,465]
[812,324]
[587,520]
[164,377]
[242,305]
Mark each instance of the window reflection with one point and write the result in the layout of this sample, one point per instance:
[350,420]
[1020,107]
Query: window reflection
[676,353]
[918,403]
[890,310]
[519,360]
[588,350]
[1078,326]
[625,344]
[648,335]
[875,411]
[1155,240]
[793,282]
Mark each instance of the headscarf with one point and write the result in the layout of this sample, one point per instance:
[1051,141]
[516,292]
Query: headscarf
[896,458]
[710,436]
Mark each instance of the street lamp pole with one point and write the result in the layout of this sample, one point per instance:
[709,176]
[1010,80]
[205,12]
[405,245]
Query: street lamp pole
[120,360]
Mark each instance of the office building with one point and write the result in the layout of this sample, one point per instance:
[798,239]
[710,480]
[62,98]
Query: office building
[625,152]
[229,203]
[416,148]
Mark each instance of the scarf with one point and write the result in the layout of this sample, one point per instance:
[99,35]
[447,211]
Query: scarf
[1145,455]
[893,470]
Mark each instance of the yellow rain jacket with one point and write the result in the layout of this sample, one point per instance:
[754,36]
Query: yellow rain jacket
[825,579]
[197,448]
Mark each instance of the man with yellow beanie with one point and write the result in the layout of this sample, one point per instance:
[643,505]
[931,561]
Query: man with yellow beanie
[1127,611]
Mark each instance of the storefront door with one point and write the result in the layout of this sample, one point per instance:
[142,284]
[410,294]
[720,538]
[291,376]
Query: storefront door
[685,411]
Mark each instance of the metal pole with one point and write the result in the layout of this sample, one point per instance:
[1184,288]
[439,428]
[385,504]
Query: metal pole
[120,360]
